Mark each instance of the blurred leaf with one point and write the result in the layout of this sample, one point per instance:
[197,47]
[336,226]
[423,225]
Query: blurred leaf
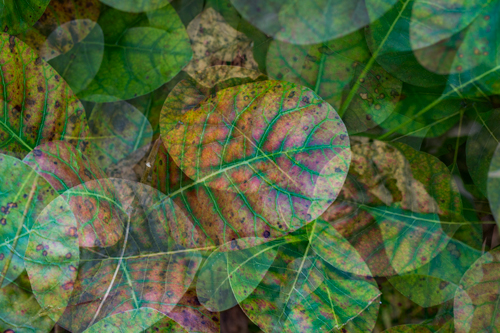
[299,22]
[214,42]
[23,196]
[17,16]
[481,145]
[493,184]
[280,161]
[477,299]
[141,52]
[59,13]
[38,105]
[388,41]
[329,68]
[117,131]
[81,63]
[144,269]
[135,321]
[434,21]
[136,6]
[392,206]
[408,329]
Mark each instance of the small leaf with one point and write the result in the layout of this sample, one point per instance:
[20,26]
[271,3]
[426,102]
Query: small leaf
[141,53]
[23,196]
[43,109]
[214,42]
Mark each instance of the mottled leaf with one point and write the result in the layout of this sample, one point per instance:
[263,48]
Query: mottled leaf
[17,16]
[408,329]
[330,68]
[214,42]
[117,131]
[145,269]
[135,321]
[23,196]
[38,106]
[141,53]
[276,152]
[300,22]
[136,6]
[477,300]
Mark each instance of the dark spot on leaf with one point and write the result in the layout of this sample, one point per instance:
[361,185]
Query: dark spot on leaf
[67,286]
[3,221]
[68,255]
[267,234]
[37,152]
[39,247]
[44,253]
[2,256]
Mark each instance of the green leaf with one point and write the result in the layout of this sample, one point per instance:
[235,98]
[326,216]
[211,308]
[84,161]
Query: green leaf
[135,6]
[141,52]
[117,131]
[23,196]
[135,321]
[52,256]
[394,206]
[300,293]
[408,329]
[330,68]
[492,185]
[481,146]
[144,269]
[276,151]
[434,21]
[80,64]
[299,22]
[388,41]
[17,16]
[38,105]
[214,42]
[477,300]
[57,14]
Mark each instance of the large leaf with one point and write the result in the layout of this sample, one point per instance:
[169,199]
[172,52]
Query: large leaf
[300,22]
[493,184]
[17,16]
[214,42]
[23,196]
[330,68]
[477,300]
[38,105]
[136,6]
[141,52]
[388,40]
[392,206]
[276,151]
[146,268]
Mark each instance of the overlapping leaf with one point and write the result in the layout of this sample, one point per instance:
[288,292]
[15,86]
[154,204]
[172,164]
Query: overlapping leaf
[17,16]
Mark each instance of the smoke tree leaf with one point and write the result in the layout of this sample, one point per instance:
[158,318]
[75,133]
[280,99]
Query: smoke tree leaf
[23,196]
[17,16]
[135,321]
[57,14]
[477,299]
[112,279]
[432,22]
[141,53]
[38,105]
[52,256]
[390,208]
[388,41]
[300,23]
[215,42]
[329,68]
[276,151]
[117,131]
[80,64]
